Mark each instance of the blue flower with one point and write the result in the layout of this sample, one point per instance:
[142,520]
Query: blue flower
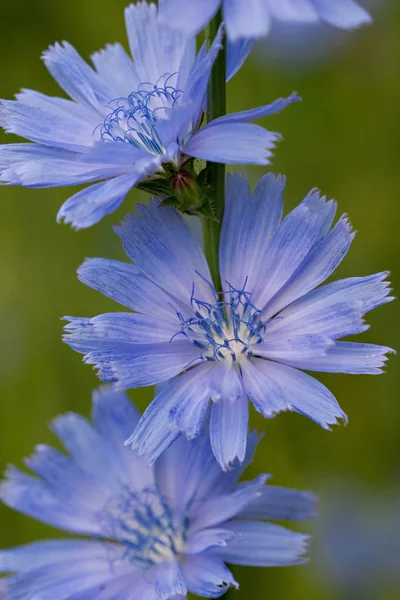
[126,120]
[251,342]
[150,533]
[252,18]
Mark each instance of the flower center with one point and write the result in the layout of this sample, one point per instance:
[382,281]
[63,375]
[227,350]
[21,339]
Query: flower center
[144,526]
[227,329]
[133,120]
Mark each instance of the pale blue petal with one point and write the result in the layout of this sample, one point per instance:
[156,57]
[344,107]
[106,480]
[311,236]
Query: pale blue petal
[76,78]
[207,576]
[365,293]
[203,540]
[115,66]
[297,11]
[263,545]
[225,384]
[252,114]
[232,143]
[349,357]
[280,504]
[188,473]
[114,418]
[236,55]
[126,284]
[159,425]
[299,232]
[109,347]
[90,205]
[161,244]
[316,268]
[345,14]
[248,228]
[32,497]
[248,19]
[221,508]
[169,581]
[156,49]
[47,125]
[189,17]
[13,154]
[228,430]
[273,387]
[297,347]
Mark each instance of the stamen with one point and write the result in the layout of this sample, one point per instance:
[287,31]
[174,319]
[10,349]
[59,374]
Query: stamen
[227,328]
[133,120]
[144,525]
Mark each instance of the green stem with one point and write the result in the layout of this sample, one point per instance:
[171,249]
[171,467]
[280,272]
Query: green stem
[216,107]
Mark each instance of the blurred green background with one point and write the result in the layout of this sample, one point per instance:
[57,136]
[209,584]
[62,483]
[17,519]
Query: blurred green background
[343,138]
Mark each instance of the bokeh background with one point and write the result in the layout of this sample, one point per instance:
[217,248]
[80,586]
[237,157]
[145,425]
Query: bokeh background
[344,139]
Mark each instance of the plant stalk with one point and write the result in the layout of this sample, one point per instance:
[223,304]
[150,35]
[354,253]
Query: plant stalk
[216,107]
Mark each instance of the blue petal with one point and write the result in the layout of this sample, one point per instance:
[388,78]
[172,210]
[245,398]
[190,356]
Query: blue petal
[280,504]
[236,55]
[232,143]
[256,113]
[345,14]
[76,78]
[188,474]
[157,428]
[274,387]
[295,238]
[350,358]
[296,348]
[13,154]
[157,50]
[67,578]
[48,124]
[90,205]
[248,19]
[218,510]
[228,430]
[207,576]
[260,544]
[297,11]
[161,244]
[206,539]
[317,266]
[126,284]
[115,66]
[169,581]
[114,417]
[189,17]
[248,227]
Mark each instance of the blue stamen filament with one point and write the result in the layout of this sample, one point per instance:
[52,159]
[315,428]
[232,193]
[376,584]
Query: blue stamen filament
[133,120]
[227,328]
[144,526]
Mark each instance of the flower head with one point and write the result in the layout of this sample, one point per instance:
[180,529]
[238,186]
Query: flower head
[252,18]
[126,121]
[252,339]
[153,533]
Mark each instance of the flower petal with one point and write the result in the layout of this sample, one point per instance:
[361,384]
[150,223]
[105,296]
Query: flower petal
[232,143]
[115,66]
[345,14]
[90,205]
[157,50]
[169,581]
[350,358]
[280,504]
[260,544]
[207,576]
[187,16]
[236,55]
[274,387]
[161,244]
[158,427]
[248,19]
[228,430]
[248,227]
